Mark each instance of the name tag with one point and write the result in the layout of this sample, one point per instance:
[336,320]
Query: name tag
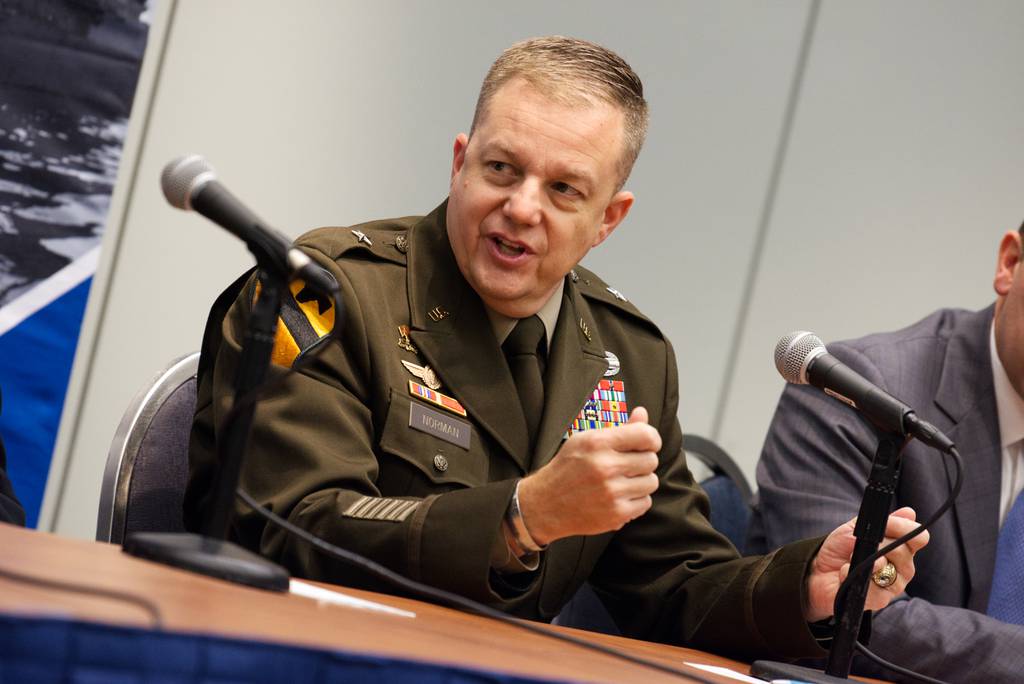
[439,425]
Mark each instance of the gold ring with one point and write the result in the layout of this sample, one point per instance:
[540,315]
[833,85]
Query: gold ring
[886,577]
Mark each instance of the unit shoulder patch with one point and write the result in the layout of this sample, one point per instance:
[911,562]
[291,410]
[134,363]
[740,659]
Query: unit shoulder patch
[307,317]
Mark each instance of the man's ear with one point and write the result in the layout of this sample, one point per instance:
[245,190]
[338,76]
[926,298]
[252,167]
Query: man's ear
[614,213]
[459,154]
[1008,262]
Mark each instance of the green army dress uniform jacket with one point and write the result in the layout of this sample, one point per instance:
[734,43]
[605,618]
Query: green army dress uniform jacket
[332,449]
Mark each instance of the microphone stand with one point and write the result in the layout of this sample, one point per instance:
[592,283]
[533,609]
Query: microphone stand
[869,532]
[210,553]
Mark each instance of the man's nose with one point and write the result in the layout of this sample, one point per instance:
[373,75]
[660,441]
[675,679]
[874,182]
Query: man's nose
[523,206]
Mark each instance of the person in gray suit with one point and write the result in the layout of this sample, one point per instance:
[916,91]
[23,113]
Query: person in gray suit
[964,372]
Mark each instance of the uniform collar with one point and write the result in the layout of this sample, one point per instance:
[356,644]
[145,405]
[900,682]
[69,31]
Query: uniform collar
[548,314]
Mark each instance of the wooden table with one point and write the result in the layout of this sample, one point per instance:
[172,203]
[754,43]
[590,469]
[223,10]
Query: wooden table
[196,604]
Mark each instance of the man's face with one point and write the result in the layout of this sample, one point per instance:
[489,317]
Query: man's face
[1009,316]
[532,192]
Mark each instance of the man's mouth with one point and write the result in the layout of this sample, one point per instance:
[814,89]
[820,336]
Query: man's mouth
[508,249]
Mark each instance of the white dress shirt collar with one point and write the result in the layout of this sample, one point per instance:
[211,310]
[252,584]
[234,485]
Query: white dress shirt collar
[1010,411]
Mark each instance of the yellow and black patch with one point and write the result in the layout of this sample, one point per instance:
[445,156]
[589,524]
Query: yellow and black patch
[306,318]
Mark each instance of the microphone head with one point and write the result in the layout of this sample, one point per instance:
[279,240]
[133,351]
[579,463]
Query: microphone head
[794,353]
[182,177]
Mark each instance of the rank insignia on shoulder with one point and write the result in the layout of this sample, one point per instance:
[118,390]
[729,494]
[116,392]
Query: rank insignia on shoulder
[605,407]
[618,295]
[424,373]
[361,237]
[306,318]
[436,398]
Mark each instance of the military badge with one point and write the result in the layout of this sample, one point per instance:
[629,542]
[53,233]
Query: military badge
[424,373]
[613,364]
[605,407]
[403,340]
[436,398]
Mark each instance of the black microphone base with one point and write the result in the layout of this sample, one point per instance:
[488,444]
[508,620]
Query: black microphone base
[769,670]
[208,556]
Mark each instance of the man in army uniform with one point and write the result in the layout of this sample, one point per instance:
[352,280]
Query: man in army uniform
[471,427]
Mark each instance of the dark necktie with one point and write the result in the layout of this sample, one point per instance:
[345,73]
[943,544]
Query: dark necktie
[1006,601]
[522,351]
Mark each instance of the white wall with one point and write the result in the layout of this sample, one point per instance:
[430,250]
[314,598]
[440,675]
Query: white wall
[332,113]
[904,170]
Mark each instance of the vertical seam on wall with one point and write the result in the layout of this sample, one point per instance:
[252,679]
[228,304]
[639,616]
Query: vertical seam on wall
[105,297]
[765,218]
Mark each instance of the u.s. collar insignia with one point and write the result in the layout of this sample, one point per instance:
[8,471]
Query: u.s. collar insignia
[424,373]
[361,237]
[605,407]
[403,340]
[613,364]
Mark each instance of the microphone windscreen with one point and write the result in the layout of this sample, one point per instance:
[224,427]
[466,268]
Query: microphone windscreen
[182,176]
[794,352]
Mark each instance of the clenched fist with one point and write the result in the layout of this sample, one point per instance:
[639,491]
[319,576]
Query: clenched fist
[597,482]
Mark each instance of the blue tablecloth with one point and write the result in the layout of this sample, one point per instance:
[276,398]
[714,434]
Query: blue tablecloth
[53,650]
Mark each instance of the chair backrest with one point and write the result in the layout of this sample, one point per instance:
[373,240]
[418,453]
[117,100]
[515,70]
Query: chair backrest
[147,465]
[727,488]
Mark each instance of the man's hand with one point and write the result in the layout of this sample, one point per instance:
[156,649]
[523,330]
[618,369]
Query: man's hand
[830,567]
[597,482]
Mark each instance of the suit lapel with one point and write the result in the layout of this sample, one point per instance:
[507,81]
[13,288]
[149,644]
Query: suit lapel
[575,364]
[966,395]
[453,334]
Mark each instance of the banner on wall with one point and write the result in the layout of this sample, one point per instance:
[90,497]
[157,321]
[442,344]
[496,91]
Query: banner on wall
[68,71]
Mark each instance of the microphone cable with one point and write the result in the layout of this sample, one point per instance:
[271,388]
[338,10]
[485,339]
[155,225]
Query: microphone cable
[451,599]
[150,607]
[865,566]
[432,593]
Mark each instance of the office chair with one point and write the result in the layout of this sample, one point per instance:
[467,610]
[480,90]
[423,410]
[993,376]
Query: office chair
[147,465]
[726,486]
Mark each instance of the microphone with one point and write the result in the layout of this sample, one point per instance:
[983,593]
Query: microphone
[189,183]
[801,358]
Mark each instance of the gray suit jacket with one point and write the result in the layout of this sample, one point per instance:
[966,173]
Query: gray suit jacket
[815,464]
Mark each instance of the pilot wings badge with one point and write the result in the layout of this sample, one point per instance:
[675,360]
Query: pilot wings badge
[424,373]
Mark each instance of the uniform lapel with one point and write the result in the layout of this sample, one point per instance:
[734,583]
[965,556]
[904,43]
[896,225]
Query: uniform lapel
[453,334]
[575,364]
[966,395]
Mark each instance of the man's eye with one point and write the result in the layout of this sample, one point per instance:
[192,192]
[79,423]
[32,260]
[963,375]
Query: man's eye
[564,189]
[499,166]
